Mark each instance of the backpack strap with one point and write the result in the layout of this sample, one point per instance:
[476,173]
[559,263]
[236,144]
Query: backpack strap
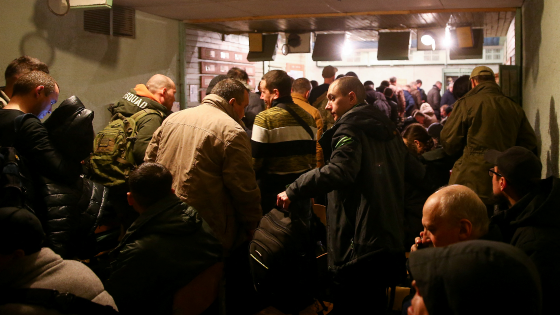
[145,112]
[298,119]
[52,299]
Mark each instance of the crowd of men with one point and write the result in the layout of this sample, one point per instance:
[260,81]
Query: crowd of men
[453,179]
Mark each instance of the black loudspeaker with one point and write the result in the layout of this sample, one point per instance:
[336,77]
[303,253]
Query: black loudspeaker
[475,52]
[393,46]
[328,47]
[269,43]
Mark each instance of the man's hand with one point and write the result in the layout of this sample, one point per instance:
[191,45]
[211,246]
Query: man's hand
[421,242]
[282,200]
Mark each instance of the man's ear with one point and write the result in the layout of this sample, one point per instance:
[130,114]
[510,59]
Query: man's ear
[276,94]
[307,94]
[38,90]
[232,102]
[130,199]
[465,231]
[352,97]
[503,183]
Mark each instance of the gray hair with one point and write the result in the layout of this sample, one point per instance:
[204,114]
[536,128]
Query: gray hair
[460,202]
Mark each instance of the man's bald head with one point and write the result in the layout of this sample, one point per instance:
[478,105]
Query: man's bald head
[159,81]
[163,88]
[446,212]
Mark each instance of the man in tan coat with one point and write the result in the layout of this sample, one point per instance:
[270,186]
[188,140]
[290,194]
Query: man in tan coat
[208,153]
[401,102]
[300,93]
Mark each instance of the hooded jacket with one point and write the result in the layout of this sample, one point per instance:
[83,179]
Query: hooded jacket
[364,179]
[209,154]
[533,225]
[133,101]
[429,115]
[476,277]
[162,251]
[483,119]
[46,270]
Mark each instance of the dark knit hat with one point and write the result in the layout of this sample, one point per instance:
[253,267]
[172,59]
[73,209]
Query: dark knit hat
[20,229]
[516,163]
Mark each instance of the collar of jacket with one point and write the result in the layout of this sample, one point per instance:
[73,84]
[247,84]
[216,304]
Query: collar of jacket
[142,90]
[221,104]
[284,99]
[153,211]
[299,97]
[484,87]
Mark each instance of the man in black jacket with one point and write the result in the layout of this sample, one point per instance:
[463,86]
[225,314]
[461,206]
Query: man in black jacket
[531,220]
[33,96]
[364,178]
[167,247]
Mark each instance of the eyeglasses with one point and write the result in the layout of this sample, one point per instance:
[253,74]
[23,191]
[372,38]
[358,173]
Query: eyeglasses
[491,173]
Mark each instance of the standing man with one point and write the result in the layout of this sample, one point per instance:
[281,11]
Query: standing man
[282,147]
[483,119]
[530,219]
[256,105]
[158,94]
[300,92]
[434,97]
[416,94]
[16,69]
[422,92]
[399,94]
[318,96]
[364,178]
[208,153]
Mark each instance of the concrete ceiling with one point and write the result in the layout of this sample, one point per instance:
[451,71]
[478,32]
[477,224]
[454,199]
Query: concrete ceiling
[363,17]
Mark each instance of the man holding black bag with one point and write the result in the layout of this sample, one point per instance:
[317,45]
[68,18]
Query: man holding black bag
[364,179]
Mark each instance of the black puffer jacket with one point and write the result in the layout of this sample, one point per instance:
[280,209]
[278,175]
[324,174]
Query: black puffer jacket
[364,179]
[70,212]
[533,225]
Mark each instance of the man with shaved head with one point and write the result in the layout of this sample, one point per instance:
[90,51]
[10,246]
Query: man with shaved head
[452,214]
[16,69]
[158,94]
[364,179]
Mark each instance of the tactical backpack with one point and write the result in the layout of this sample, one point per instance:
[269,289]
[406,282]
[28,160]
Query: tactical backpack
[112,158]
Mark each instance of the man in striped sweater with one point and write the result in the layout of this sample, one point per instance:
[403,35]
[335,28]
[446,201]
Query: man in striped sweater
[283,148]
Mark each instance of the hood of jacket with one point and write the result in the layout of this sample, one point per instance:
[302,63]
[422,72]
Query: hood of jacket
[471,277]
[368,119]
[135,100]
[221,104]
[537,208]
[426,109]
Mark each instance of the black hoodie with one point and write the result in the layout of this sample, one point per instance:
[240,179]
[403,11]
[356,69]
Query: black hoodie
[476,277]
[364,178]
[533,225]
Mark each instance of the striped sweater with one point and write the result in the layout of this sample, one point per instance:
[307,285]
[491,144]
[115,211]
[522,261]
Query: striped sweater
[280,144]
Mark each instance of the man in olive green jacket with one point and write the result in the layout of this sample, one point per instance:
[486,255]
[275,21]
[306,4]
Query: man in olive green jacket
[483,119]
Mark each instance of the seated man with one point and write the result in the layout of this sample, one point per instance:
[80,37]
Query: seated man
[24,265]
[531,220]
[167,247]
[451,215]
[474,277]
[34,94]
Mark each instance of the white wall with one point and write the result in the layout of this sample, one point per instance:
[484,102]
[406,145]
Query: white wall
[98,69]
[541,95]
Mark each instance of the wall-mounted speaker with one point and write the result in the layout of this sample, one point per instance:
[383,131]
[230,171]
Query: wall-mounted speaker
[393,46]
[474,52]
[268,53]
[328,47]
